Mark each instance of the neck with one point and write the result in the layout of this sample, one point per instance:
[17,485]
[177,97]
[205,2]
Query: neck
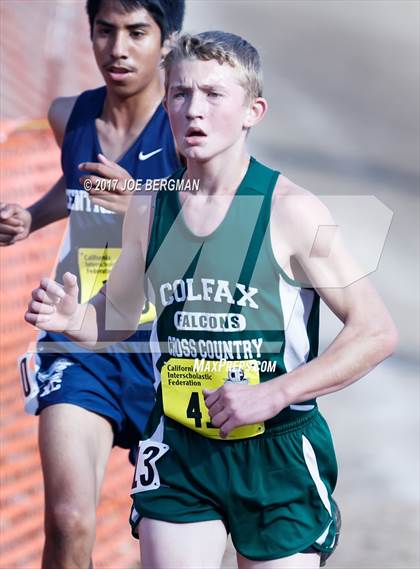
[132,112]
[221,174]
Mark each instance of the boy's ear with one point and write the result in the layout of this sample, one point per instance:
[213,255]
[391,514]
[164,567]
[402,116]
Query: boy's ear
[165,102]
[255,112]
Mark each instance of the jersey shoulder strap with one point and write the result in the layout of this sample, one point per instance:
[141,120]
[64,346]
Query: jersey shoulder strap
[262,180]
[88,106]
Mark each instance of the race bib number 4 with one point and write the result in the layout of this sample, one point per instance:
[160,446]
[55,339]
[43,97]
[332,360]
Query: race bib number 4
[183,382]
[95,264]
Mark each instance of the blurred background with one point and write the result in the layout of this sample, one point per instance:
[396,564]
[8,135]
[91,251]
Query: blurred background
[342,81]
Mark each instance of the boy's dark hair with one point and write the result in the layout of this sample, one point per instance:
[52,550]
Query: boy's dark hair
[168,14]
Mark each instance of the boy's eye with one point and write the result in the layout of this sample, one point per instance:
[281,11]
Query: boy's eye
[179,95]
[213,94]
[137,34]
[104,31]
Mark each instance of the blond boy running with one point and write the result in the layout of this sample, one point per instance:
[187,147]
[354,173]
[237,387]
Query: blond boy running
[235,442]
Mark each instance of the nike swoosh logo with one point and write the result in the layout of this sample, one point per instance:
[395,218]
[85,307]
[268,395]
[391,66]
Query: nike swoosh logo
[149,155]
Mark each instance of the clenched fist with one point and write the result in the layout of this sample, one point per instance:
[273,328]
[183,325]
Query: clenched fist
[15,223]
[232,406]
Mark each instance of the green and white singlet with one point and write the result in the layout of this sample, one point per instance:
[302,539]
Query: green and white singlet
[228,313]
[226,309]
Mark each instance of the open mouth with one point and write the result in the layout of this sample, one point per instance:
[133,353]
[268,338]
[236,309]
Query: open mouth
[195,131]
[194,134]
[118,72]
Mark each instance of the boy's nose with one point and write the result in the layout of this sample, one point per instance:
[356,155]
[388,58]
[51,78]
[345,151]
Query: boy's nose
[119,47]
[195,108]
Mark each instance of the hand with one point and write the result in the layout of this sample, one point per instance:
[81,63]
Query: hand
[54,307]
[15,223]
[110,176]
[232,406]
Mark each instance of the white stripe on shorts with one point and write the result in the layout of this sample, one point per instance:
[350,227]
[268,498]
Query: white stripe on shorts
[312,465]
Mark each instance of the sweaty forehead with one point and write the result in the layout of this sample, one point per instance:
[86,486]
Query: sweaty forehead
[197,72]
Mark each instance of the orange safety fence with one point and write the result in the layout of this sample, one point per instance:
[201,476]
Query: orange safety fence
[30,164]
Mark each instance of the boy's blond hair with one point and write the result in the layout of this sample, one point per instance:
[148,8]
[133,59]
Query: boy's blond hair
[224,48]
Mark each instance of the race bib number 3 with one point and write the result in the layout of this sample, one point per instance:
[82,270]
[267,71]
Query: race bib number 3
[183,382]
[95,264]
[146,475]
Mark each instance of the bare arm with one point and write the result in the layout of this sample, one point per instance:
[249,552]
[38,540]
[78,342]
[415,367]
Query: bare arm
[58,116]
[368,335]
[52,206]
[106,317]
[16,222]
